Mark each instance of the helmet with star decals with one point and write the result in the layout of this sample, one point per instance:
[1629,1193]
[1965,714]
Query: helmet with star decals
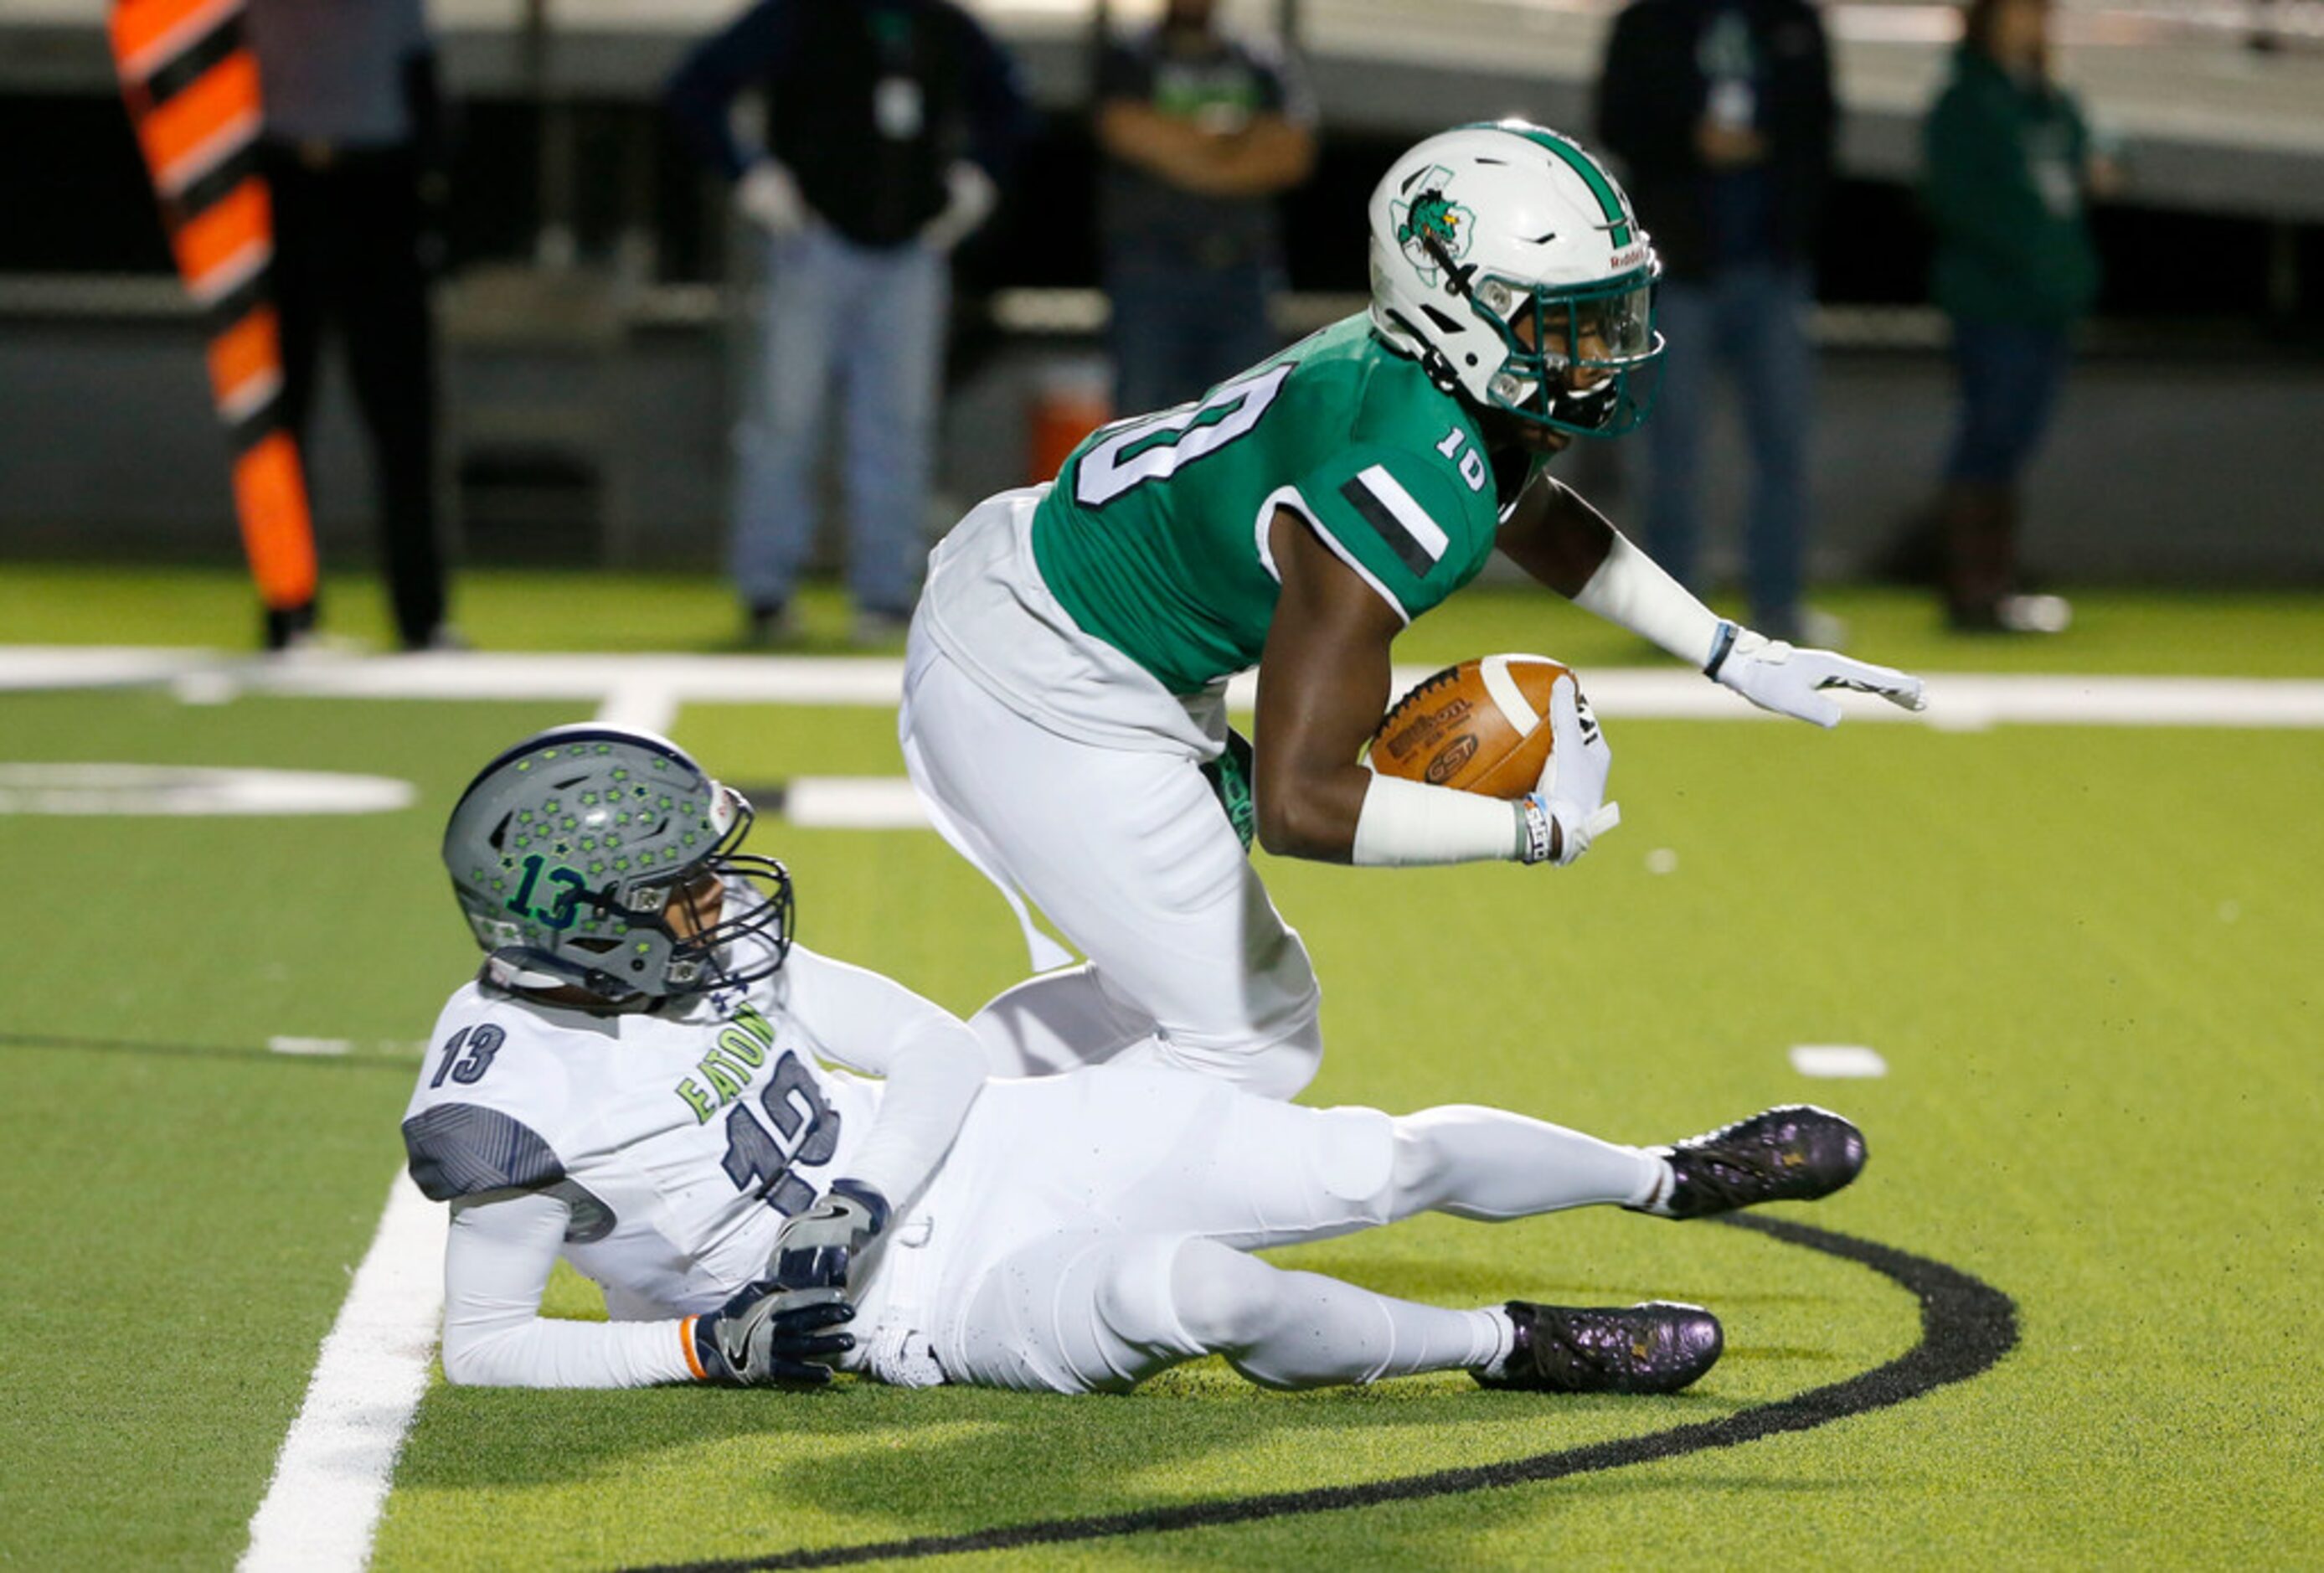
[605,860]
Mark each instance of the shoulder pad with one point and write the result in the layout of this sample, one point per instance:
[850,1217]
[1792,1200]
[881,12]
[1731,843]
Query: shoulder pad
[458,1149]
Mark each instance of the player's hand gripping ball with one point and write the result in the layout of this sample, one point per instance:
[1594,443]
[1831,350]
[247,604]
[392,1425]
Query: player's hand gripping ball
[1480,727]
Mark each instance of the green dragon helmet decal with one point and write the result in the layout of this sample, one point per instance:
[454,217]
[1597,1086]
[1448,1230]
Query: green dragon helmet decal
[1431,215]
[570,851]
[1508,263]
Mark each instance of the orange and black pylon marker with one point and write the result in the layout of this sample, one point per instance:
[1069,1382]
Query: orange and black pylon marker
[192,84]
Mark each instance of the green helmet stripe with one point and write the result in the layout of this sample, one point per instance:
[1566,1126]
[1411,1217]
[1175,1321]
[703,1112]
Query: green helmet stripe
[1610,203]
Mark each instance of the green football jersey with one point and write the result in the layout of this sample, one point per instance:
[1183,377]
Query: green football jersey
[1154,536]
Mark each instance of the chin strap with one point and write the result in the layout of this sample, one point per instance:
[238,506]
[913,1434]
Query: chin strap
[1434,362]
[508,971]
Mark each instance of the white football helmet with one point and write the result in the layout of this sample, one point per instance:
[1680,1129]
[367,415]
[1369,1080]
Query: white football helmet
[1503,256]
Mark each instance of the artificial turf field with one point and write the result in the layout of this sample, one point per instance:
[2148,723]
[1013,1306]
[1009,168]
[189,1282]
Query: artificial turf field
[2089,956]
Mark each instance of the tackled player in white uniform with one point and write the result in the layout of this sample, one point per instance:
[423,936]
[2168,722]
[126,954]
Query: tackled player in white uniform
[776,1164]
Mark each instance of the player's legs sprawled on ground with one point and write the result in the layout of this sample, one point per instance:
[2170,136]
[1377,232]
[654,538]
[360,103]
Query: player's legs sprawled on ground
[1132,1261]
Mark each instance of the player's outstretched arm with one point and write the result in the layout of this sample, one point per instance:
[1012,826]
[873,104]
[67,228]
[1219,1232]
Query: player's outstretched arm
[1322,685]
[497,1262]
[1563,543]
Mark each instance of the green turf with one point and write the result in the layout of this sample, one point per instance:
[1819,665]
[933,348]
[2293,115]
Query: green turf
[2246,632]
[182,1220]
[2089,956]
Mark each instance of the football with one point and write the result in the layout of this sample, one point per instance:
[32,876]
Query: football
[1480,727]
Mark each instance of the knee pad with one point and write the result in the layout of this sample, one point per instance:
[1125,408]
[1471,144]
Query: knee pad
[1211,1292]
[1132,1285]
[1134,1328]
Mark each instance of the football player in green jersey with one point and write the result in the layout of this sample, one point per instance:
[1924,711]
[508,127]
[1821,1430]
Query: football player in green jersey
[1063,708]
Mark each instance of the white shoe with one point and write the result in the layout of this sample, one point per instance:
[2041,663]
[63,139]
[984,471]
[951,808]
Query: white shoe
[2034,614]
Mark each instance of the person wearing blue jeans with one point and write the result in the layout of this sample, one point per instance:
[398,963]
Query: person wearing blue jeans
[1747,318]
[888,125]
[1722,112]
[872,320]
[2008,169]
[2010,376]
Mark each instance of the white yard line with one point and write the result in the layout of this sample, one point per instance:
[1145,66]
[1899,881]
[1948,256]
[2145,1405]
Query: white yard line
[332,1476]
[643,707]
[854,803]
[1838,1061]
[644,687]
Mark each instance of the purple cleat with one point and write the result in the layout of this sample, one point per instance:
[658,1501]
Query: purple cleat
[1659,1347]
[1797,1153]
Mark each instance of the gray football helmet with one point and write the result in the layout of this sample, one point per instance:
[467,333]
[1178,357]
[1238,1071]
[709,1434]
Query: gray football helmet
[567,852]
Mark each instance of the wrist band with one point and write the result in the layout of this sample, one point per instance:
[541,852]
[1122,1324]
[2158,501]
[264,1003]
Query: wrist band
[1534,827]
[1722,643]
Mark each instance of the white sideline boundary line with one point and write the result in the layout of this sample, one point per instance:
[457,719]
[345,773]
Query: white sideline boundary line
[642,688]
[332,1476]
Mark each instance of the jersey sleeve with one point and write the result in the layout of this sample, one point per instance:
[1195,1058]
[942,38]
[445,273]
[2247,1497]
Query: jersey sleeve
[496,1263]
[1409,523]
[462,1148]
[491,1104]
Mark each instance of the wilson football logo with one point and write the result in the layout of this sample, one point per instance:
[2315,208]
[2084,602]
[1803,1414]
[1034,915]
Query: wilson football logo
[1450,759]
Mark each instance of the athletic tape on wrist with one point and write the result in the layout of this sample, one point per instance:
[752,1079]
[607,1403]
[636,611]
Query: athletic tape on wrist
[1406,823]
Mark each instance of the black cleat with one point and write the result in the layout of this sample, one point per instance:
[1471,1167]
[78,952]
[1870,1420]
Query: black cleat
[1659,1347]
[1797,1153]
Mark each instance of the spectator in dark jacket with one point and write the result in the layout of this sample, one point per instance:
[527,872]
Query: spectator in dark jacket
[1721,110]
[889,124]
[2008,169]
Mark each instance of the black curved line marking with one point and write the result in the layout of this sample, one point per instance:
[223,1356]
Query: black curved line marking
[403,1062]
[1967,1326]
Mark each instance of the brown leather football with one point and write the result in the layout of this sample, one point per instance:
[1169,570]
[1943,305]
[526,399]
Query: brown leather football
[1480,727]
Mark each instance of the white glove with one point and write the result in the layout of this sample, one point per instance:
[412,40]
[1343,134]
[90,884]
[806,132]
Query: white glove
[1572,793]
[1775,677]
[769,198]
[968,198]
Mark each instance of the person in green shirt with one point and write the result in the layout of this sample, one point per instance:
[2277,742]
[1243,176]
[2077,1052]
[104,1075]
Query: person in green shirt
[2009,166]
[1063,715]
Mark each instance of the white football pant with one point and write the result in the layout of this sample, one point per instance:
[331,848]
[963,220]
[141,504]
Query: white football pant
[1130,856]
[1088,1230]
